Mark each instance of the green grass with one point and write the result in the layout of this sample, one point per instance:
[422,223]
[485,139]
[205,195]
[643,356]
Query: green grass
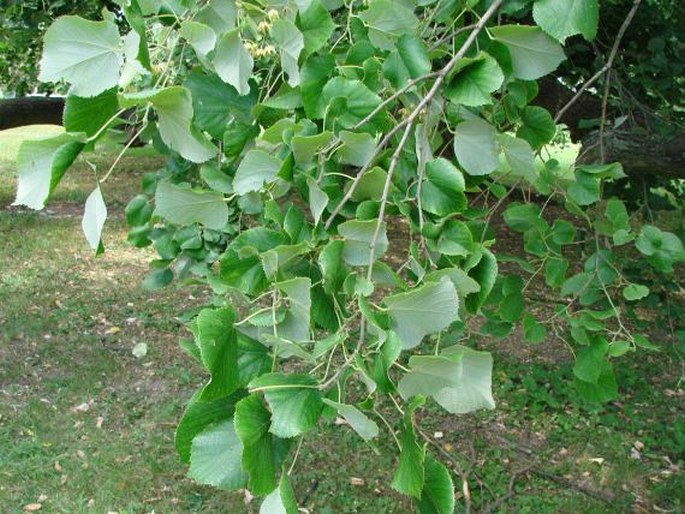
[87,427]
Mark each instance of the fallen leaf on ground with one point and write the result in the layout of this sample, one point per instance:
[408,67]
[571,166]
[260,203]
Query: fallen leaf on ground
[140,350]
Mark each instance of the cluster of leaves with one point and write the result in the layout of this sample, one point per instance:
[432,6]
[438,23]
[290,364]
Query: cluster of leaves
[301,135]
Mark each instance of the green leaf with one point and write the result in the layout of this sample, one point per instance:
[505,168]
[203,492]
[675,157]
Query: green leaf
[186,206]
[256,169]
[41,165]
[555,271]
[371,185]
[563,232]
[520,157]
[294,400]
[253,359]
[216,103]
[476,147]
[218,14]
[198,416]
[200,36]
[442,193]
[619,348]
[474,80]
[413,55]
[305,148]
[603,390]
[387,21]
[612,170]
[174,109]
[89,115]
[87,54]
[359,99]
[576,284]
[564,18]
[643,342]
[409,475]
[621,237]
[537,127]
[158,279]
[218,345]
[357,149]
[240,264]
[437,496]
[617,214]
[236,136]
[360,423]
[333,268]
[233,63]
[316,25]
[290,42]
[462,282]
[589,360]
[216,179]
[94,217]
[136,21]
[663,249]
[586,188]
[215,457]
[318,200]
[313,77]
[635,292]
[485,274]
[533,53]
[138,211]
[523,217]
[295,327]
[459,379]
[424,310]
[533,332]
[358,235]
[260,451]
[281,500]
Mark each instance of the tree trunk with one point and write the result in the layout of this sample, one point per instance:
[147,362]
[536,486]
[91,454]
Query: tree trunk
[31,110]
[642,155]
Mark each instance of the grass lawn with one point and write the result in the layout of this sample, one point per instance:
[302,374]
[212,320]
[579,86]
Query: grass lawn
[85,426]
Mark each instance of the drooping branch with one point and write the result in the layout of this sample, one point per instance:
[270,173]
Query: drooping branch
[31,110]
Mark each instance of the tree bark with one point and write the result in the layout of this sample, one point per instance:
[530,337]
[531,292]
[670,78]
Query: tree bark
[642,155]
[31,110]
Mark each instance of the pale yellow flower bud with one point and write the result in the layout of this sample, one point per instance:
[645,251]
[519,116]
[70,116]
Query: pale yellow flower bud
[272,14]
[263,26]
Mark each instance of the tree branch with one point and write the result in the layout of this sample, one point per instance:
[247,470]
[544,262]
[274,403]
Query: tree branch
[606,67]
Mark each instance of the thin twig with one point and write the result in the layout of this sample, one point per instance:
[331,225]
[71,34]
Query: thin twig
[384,198]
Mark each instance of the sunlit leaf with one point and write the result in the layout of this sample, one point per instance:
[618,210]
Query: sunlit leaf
[87,54]
[186,206]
